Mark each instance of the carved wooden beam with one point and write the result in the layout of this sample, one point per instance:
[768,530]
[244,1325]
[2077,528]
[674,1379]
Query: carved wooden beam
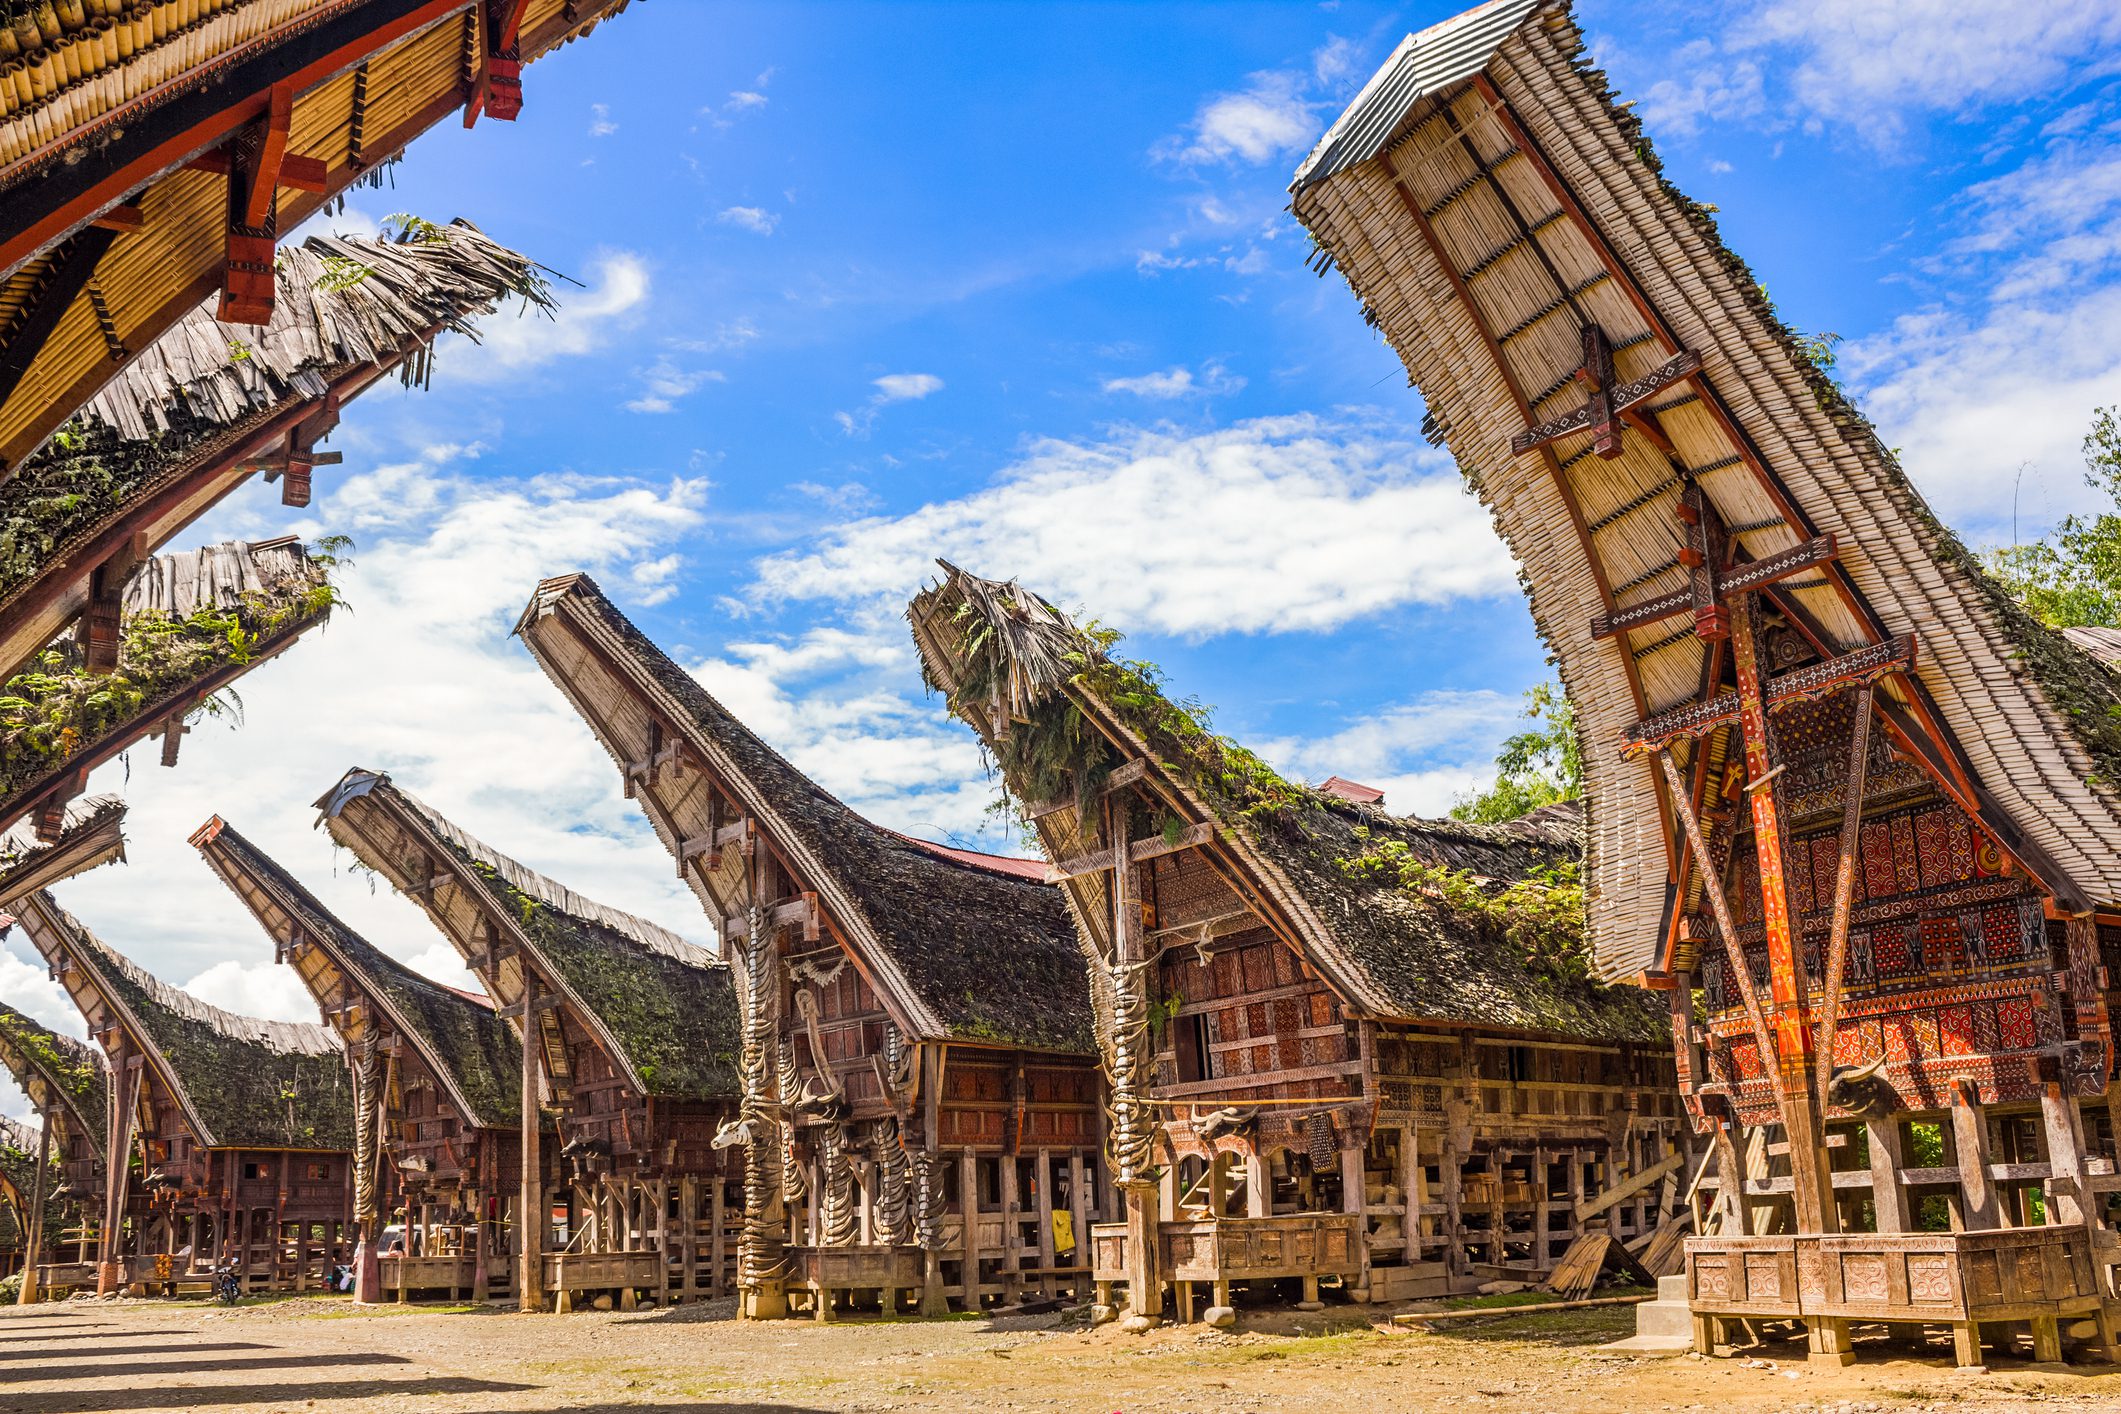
[1805,684]
[1141,851]
[65,276]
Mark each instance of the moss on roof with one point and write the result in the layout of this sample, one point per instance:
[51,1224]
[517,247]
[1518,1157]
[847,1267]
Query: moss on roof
[1442,920]
[991,955]
[74,1068]
[464,1036]
[668,1004]
[253,1083]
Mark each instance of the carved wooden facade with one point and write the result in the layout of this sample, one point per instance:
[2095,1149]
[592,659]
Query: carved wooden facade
[921,1107]
[437,1104]
[1846,799]
[629,1049]
[1315,1078]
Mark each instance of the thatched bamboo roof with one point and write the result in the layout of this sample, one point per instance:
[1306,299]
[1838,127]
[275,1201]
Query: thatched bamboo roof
[662,1008]
[118,132]
[239,1081]
[1488,201]
[459,1038]
[189,626]
[961,946]
[91,834]
[1060,714]
[62,1077]
[185,422]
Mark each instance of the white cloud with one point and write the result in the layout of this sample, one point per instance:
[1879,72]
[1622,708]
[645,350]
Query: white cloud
[1172,383]
[1422,754]
[1710,89]
[1866,62]
[891,388]
[1269,118]
[755,219]
[588,319]
[1291,523]
[743,99]
[263,989]
[907,387]
[600,124]
[664,383]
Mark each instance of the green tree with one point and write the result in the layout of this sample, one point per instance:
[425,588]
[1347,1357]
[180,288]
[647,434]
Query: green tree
[2074,576]
[1536,766]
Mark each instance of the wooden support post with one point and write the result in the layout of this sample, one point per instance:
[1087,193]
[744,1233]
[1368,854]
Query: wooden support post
[1048,1253]
[530,1206]
[2066,1197]
[1888,1194]
[1970,1142]
[1012,1233]
[127,1072]
[1259,1185]
[1080,1208]
[1354,1199]
[717,1251]
[968,1208]
[33,1244]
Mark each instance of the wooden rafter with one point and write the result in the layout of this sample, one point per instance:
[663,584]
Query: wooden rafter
[68,273]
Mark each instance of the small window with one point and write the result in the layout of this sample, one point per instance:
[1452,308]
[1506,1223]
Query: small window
[317,1173]
[252,1172]
[1189,1035]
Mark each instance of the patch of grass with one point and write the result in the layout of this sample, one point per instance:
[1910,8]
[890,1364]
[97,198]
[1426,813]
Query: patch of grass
[1505,1299]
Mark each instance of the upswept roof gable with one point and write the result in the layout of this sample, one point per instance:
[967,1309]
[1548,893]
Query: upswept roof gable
[1494,218]
[965,946]
[460,1038]
[53,1068]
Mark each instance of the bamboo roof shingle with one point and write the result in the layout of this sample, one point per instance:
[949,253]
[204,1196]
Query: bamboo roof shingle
[961,946]
[662,1008]
[460,1039]
[239,1081]
[1061,714]
[120,125]
[190,419]
[1490,215]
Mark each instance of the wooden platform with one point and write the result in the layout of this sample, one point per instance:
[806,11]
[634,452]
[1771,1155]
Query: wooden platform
[406,1275]
[622,1274]
[2038,1275]
[1220,1251]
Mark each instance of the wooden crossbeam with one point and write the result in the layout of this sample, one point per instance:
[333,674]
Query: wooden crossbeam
[1139,852]
[1805,684]
[536,1004]
[1608,400]
[121,218]
[67,274]
[1621,1192]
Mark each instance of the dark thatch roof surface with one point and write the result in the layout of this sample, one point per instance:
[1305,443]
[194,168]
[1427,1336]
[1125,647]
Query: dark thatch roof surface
[462,1037]
[252,1083]
[669,1004]
[988,954]
[34,1053]
[1331,863]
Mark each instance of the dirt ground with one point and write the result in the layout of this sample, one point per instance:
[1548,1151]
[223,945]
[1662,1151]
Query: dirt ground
[329,1357]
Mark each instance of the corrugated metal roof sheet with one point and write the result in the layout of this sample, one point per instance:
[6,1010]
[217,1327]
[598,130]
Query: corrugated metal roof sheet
[1434,58]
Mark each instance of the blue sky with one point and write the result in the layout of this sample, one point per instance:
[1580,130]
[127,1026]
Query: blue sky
[862,284]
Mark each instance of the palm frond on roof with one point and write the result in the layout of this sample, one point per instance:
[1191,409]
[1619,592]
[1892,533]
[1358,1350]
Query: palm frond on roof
[463,1042]
[1060,714]
[184,422]
[665,1006]
[243,1081]
[965,946]
[53,1068]
[1487,217]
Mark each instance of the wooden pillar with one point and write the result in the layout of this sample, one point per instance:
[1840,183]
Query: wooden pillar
[968,1208]
[2066,1197]
[1259,1184]
[530,1201]
[1453,1173]
[1888,1194]
[128,1070]
[1354,1199]
[1012,1232]
[1970,1143]
[33,1247]
[717,1243]
[1080,1207]
[1048,1252]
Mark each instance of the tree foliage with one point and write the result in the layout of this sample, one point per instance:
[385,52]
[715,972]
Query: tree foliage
[1537,766]
[2073,577]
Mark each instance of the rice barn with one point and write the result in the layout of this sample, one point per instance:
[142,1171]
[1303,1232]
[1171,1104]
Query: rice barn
[1850,807]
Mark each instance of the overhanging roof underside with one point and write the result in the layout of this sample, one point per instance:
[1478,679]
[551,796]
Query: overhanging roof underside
[1527,204]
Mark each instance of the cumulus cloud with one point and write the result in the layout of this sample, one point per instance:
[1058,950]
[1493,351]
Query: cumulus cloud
[1180,382]
[664,383]
[1296,522]
[755,219]
[588,319]
[1423,754]
[600,124]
